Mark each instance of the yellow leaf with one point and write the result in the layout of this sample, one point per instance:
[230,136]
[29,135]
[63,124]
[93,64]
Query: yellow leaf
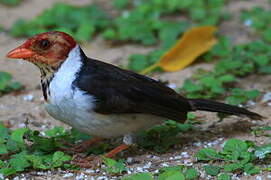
[193,43]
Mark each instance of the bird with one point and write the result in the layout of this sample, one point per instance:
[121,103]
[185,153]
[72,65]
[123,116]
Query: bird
[103,100]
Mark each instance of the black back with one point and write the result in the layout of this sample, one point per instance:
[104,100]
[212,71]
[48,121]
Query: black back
[120,91]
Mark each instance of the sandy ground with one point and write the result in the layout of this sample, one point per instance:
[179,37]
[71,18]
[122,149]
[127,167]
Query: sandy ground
[16,108]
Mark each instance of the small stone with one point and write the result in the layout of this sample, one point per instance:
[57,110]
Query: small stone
[248,22]
[21,125]
[42,133]
[67,175]
[172,85]
[178,157]
[129,160]
[80,176]
[102,178]
[164,164]
[90,171]
[147,166]
[16,178]
[139,169]
[258,178]
[185,154]
[28,97]
[197,144]
[251,103]
[156,171]
[128,171]
[187,162]
[266,97]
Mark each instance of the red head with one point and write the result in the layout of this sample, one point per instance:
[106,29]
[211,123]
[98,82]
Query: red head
[46,49]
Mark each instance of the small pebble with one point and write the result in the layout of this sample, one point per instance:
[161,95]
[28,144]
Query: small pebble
[125,14]
[258,178]
[90,171]
[248,22]
[28,97]
[102,178]
[129,160]
[21,125]
[156,171]
[197,144]
[139,169]
[80,176]
[185,154]
[266,97]
[147,166]
[67,175]
[187,162]
[178,157]
[251,103]
[172,85]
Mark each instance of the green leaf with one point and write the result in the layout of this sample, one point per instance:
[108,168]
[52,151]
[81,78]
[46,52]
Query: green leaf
[11,2]
[191,173]
[120,4]
[235,145]
[3,149]
[7,171]
[224,176]
[251,169]
[211,170]
[267,35]
[59,158]
[56,132]
[19,162]
[114,166]
[138,62]
[207,154]
[5,78]
[139,176]
[17,135]
[84,31]
[171,175]
[4,132]
[232,167]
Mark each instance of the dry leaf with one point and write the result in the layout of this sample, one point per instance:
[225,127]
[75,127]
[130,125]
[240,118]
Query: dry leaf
[192,44]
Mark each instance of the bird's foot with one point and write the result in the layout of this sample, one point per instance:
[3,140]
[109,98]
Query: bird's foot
[81,147]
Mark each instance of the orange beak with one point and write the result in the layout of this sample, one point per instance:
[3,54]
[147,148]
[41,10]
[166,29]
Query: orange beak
[20,53]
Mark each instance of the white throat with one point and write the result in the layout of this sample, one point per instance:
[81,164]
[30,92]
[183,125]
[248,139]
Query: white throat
[61,84]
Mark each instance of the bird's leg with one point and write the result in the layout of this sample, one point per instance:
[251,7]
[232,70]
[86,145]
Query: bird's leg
[115,151]
[127,142]
[83,146]
[95,161]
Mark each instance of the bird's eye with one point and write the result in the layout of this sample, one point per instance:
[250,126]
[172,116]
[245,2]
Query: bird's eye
[44,44]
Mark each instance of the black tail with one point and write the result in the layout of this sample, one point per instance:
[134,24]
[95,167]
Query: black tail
[213,106]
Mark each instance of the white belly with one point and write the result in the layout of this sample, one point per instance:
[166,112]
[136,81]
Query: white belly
[99,125]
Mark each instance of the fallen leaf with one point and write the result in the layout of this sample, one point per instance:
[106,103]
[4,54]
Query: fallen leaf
[192,44]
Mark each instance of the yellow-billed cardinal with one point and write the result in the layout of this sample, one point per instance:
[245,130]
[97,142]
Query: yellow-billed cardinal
[103,100]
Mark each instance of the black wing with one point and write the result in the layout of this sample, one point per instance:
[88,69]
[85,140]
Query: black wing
[121,91]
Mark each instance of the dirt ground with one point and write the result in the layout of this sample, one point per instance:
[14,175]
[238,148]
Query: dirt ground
[18,108]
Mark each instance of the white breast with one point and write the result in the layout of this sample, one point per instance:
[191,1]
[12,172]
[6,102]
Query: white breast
[73,106]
